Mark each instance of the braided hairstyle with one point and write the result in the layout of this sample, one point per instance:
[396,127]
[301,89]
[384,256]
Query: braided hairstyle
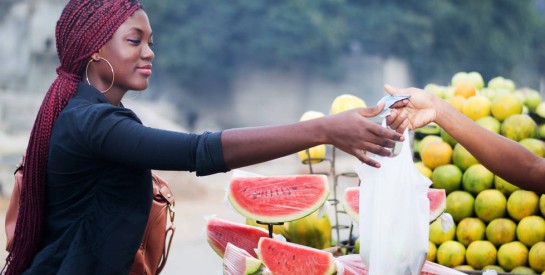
[82,29]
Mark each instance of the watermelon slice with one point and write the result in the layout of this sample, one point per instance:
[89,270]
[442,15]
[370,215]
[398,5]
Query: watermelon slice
[238,261]
[437,197]
[353,265]
[290,258]
[221,232]
[351,202]
[273,199]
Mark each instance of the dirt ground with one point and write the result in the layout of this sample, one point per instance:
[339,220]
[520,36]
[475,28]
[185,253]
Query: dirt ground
[201,197]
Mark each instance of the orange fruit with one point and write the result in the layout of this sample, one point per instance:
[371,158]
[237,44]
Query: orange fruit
[451,254]
[506,105]
[423,169]
[465,89]
[536,257]
[448,177]
[346,102]
[511,255]
[501,231]
[457,102]
[490,204]
[477,107]
[438,236]
[470,230]
[477,178]
[460,205]
[480,254]
[435,154]
[432,252]
[505,187]
[518,127]
[462,158]
[531,230]
[522,203]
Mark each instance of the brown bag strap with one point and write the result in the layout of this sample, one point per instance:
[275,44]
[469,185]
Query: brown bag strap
[166,194]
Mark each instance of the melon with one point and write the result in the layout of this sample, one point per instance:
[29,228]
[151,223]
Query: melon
[353,265]
[238,261]
[275,199]
[289,258]
[351,202]
[437,197]
[221,232]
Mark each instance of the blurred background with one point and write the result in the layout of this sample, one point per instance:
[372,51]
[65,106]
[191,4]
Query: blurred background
[223,64]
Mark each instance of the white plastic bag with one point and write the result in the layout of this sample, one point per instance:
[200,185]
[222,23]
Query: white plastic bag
[394,215]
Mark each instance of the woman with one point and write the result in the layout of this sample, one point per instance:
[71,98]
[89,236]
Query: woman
[504,157]
[86,190]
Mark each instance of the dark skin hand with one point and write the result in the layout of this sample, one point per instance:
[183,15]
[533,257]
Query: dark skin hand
[504,157]
[351,131]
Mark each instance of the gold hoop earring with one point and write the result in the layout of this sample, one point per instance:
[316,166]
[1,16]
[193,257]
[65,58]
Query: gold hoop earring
[111,68]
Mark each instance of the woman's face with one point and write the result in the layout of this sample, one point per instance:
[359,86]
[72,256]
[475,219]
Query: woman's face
[130,55]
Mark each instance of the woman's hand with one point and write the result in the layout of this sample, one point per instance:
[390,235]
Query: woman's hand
[354,133]
[419,109]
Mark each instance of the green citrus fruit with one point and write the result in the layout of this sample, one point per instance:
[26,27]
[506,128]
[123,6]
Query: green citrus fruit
[432,252]
[447,138]
[462,158]
[518,127]
[451,254]
[490,123]
[426,140]
[423,169]
[346,102]
[436,153]
[438,236]
[542,205]
[477,178]
[531,230]
[522,270]
[536,257]
[522,203]
[505,187]
[476,107]
[460,205]
[448,177]
[490,204]
[535,145]
[513,254]
[505,106]
[480,254]
[501,231]
[470,230]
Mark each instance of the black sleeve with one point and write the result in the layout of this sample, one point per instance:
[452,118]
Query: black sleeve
[118,135]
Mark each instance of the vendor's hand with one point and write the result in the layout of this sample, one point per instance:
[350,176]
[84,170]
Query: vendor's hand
[354,133]
[420,109]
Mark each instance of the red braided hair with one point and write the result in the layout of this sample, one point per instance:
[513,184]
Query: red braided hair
[83,28]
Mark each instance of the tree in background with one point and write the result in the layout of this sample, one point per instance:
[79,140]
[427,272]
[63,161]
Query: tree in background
[201,42]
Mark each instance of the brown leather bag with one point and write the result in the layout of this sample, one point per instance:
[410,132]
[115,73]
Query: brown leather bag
[153,252]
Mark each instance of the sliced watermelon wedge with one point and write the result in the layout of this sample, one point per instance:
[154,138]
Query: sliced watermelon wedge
[353,265]
[221,232]
[290,258]
[273,199]
[238,261]
[351,202]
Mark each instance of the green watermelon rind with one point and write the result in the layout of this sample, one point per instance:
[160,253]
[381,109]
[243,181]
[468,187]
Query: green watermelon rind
[319,201]
[282,247]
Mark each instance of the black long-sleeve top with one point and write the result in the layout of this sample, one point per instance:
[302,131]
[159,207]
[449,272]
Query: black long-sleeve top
[98,188]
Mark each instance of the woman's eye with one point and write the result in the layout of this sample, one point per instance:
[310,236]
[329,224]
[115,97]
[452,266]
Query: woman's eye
[134,41]
[151,44]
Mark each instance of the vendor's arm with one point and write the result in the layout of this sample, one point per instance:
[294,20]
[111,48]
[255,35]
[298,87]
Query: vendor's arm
[504,157]
[350,131]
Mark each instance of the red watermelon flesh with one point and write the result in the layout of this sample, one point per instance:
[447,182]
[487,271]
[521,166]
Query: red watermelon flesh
[437,198]
[351,202]
[353,265]
[289,258]
[272,199]
[221,232]
[239,262]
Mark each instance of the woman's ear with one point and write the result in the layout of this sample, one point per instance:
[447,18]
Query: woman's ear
[95,57]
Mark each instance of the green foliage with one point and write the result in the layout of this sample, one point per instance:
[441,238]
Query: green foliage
[203,40]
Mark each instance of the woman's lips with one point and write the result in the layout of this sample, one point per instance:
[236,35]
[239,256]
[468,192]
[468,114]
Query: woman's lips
[145,70]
